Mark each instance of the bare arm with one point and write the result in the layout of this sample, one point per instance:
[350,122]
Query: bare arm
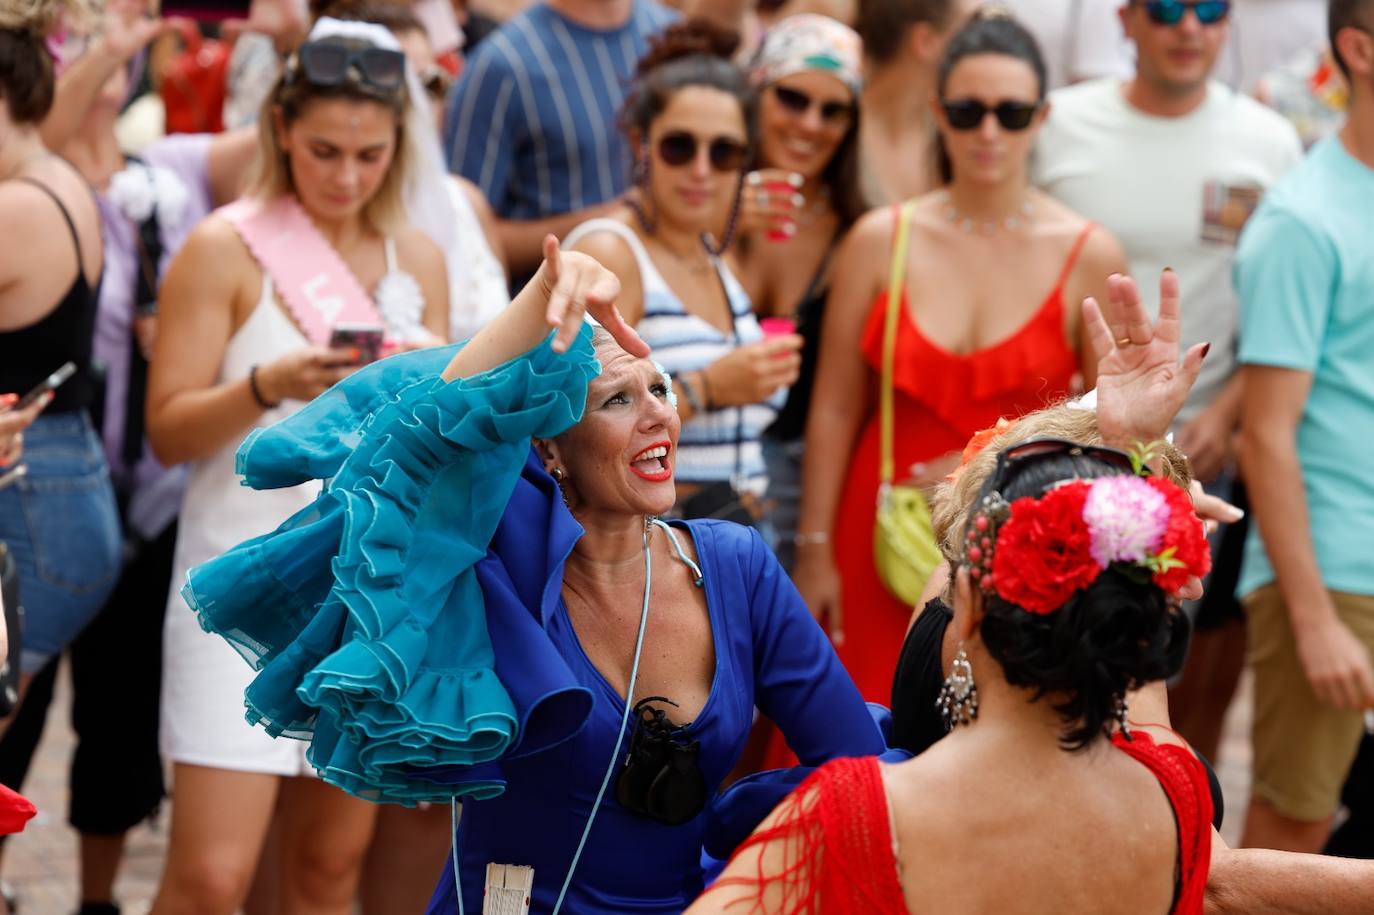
[190,414]
[839,405]
[1337,664]
[567,287]
[1259,881]
[421,258]
[124,32]
[230,156]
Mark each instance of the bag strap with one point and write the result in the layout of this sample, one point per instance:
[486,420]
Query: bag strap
[896,276]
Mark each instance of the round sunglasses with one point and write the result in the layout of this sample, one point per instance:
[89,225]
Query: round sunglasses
[678,148]
[799,103]
[968,114]
[1170,12]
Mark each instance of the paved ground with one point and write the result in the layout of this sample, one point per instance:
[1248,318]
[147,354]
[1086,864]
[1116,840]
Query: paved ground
[41,863]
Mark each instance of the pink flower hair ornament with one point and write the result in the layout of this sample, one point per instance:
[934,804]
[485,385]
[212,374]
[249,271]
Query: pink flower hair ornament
[1037,553]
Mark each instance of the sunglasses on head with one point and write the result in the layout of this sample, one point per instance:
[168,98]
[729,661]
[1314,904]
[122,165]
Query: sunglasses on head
[968,114]
[799,103]
[331,64]
[679,148]
[1170,12]
[1037,448]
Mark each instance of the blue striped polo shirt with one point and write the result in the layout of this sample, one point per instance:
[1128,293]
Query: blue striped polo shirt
[533,120]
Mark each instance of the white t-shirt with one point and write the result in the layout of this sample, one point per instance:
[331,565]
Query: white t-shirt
[1265,34]
[1148,181]
[1079,39]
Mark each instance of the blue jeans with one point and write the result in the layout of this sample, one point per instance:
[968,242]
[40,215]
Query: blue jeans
[61,524]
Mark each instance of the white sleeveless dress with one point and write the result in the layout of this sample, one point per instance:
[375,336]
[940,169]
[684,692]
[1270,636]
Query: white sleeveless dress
[203,677]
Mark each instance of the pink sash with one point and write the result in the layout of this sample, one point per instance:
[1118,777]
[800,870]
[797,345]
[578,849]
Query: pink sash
[318,288]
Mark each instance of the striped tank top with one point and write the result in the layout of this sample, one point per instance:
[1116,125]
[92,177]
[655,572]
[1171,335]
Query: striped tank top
[719,444]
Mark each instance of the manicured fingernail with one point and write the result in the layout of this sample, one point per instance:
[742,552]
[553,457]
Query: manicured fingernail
[8,398]
[1168,269]
[753,179]
[1206,347]
[795,180]
[789,228]
[798,201]
[355,354]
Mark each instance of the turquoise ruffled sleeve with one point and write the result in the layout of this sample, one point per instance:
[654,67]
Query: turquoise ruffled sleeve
[363,613]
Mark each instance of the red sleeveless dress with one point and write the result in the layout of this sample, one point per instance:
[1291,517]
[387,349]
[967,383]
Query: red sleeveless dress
[838,856]
[941,400]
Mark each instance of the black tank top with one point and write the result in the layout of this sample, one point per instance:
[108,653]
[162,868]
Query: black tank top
[65,334]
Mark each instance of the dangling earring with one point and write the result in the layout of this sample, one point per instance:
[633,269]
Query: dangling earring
[958,701]
[1122,713]
[558,477]
[638,203]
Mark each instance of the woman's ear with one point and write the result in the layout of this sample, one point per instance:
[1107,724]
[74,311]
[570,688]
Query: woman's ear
[279,127]
[548,453]
[968,606]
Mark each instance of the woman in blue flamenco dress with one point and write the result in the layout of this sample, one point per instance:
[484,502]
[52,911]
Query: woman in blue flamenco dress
[482,583]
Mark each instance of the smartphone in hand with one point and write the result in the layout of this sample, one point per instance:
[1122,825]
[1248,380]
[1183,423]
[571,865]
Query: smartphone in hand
[51,383]
[365,338]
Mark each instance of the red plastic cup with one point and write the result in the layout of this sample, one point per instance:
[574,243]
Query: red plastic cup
[785,190]
[777,327]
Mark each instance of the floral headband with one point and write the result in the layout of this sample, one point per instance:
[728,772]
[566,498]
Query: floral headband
[1036,553]
[809,41]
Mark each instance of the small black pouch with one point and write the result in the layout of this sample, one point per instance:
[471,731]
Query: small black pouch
[662,777]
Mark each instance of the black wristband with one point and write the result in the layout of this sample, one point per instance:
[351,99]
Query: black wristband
[257,392]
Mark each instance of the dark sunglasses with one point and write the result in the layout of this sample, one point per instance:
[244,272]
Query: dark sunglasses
[1170,12]
[679,148]
[1036,448]
[798,103]
[968,114]
[325,63]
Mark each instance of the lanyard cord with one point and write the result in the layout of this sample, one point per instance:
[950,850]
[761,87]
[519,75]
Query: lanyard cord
[624,718]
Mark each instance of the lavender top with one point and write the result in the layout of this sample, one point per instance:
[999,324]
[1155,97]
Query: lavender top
[179,182]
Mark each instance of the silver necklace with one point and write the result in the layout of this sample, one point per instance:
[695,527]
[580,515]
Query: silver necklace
[1018,220]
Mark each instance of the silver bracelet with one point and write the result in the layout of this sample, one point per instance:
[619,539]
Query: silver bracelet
[816,537]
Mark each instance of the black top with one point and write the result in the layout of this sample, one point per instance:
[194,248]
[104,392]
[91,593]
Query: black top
[916,725]
[64,334]
[790,423]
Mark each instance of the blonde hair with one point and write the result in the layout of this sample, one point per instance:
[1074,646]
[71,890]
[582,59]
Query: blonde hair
[271,177]
[40,17]
[953,499]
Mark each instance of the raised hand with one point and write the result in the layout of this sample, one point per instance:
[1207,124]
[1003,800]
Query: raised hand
[127,29]
[1141,383]
[575,285]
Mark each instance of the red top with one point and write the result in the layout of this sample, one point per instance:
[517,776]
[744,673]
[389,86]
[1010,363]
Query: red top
[942,399]
[837,843]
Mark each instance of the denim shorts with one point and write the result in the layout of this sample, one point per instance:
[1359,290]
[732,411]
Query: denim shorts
[61,524]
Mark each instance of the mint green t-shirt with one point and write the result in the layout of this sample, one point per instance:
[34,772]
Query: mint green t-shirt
[1305,274]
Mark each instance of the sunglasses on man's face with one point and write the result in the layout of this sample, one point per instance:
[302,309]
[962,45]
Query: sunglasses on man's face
[799,103]
[968,114]
[679,148]
[1170,12]
[331,64]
